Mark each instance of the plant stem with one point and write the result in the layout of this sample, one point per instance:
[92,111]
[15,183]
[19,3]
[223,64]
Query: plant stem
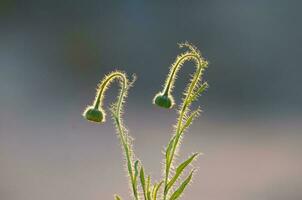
[181,116]
[128,157]
[124,138]
[172,75]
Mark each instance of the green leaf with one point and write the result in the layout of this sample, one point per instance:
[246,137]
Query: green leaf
[199,91]
[168,152]
[170,145]
[148,188]
[149,195]
[182,187]
[156,188]
[116,197]
[153,190]
[148,183]
[143,182]
[180,169]
[136,168]
[135,173]
[190,120]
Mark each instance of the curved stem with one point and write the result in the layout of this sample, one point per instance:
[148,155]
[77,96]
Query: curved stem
[175,68]
[104,85]
[183,109]
[118,120]
[124,140]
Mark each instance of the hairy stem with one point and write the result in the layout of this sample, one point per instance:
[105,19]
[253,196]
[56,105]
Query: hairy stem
[175,69]
[128,157]
[116,111]
[182,112]
[124,137]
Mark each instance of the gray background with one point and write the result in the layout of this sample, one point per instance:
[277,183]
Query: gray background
[53,53]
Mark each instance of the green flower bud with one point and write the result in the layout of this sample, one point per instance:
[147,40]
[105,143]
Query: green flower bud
[163,100]
[93,114]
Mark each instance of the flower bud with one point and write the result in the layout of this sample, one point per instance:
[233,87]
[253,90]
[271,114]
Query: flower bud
[94,114]
[163,100]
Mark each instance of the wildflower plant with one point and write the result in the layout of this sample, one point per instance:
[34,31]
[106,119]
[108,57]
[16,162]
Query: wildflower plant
[172,186]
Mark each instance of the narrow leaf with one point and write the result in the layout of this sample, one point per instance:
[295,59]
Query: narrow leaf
[136,168]
[168,152]
[190,119]
[156,190]
[116,197]
[180,169]
[199,91]
[149,195]
[143,182]
[182,187]
[148,188]
[135,173]
[148,183]
[153,190]
[170,145]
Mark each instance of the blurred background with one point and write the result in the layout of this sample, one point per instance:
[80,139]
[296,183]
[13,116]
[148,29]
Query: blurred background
[53,53]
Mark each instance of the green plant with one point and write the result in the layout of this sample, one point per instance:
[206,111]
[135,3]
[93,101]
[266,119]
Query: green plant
[95,113]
